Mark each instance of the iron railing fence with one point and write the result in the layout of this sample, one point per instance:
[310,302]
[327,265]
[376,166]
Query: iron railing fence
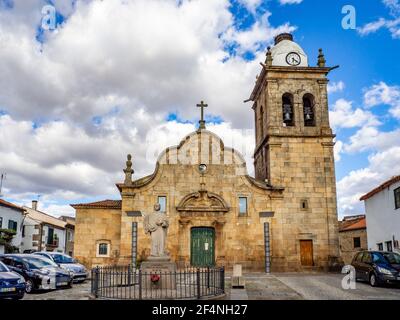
[128,282]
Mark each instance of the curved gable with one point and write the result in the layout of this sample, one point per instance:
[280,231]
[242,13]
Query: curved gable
[202,147]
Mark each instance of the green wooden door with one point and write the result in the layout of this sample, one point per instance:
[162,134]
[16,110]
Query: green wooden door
[202,247]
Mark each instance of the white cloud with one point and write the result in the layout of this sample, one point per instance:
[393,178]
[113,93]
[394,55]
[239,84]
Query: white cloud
[392,24]
[343,115]
[251,5]
[338,148]
[382,93]
[370,138]
[260,33]
[382,166]
[126,65]
[336,87]
[372,27]
[290,1]
[62,161]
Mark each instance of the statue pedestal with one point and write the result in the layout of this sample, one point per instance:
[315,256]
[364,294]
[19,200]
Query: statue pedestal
[161,268]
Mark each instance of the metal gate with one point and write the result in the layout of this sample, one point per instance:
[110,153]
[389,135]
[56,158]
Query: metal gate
[202,249]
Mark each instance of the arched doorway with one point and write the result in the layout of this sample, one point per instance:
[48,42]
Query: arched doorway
[202,246]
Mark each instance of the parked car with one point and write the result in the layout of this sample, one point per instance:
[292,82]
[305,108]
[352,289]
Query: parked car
[29,251]
[79,272]
[377,267]
[12,285]
[39,273]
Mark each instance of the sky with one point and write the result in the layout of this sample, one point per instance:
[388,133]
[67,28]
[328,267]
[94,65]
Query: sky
[124,76]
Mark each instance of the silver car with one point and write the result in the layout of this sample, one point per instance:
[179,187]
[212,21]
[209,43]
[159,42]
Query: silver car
[79,272]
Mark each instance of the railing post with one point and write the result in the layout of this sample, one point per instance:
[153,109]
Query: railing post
[222,275]
[129,275]
[140,284]
[198,283]
[208,277]
[96,282]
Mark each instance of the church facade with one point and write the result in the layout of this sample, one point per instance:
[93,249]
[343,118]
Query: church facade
[283,219]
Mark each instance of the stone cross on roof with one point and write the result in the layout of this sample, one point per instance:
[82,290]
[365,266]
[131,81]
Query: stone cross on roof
[202,122]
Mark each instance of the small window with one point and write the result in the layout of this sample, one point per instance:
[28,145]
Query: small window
[304,204]
[162,201]
[389,246]
[12,225]
[357,242]
[242,206]
[23,231]
[50,236]
[380,246]
[1,222]
[397,198]
[103,249]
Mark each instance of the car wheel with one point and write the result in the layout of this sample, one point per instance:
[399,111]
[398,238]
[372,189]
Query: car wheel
[29,286]
[18,297]
[373,281]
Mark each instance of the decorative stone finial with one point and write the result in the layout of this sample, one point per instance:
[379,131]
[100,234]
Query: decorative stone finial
[321,59]
[128,170]
[269,59]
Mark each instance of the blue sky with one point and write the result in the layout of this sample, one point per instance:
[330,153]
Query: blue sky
[107,76]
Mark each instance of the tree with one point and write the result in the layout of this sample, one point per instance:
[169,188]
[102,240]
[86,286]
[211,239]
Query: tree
[6,236]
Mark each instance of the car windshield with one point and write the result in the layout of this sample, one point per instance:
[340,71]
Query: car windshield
[3,268]
[62,258]
[38,263]
[393,258]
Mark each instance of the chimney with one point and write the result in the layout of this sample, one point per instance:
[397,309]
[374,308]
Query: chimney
[34,204]
[283,36]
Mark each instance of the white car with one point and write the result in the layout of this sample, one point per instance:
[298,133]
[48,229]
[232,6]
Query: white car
[79,272]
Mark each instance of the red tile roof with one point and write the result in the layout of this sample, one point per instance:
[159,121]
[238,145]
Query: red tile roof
[355,224]
[104,204]
[383,186]
[10,205]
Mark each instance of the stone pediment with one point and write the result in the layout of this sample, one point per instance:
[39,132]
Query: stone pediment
[203,201]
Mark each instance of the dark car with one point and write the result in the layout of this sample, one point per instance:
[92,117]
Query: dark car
[39,273]
[12,285]
[377,267]
[78,270]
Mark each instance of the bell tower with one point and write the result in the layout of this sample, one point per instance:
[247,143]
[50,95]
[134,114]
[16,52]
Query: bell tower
[294,144]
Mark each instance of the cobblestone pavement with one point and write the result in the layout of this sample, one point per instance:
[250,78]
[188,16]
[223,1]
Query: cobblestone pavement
[79,291]
[259,286]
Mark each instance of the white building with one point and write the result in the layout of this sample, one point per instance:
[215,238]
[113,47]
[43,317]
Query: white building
[11,217]
[382,208]
[43,232]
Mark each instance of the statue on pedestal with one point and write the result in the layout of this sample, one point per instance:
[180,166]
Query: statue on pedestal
[156,224]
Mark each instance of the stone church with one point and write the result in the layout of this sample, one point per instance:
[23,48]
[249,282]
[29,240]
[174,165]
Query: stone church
[283,219]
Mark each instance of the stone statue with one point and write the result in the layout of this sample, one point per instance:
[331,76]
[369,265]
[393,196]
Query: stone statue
[156,224]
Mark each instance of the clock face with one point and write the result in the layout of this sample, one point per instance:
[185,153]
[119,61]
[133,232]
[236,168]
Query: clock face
[293,59]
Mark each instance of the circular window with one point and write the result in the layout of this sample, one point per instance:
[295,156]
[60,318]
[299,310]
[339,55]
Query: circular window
[202,168]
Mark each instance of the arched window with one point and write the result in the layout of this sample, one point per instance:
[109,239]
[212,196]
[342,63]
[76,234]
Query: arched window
[287,110]
[308,110]
[262,122]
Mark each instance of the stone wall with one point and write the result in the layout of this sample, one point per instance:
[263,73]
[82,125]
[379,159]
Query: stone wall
[93,225]
[347,250]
